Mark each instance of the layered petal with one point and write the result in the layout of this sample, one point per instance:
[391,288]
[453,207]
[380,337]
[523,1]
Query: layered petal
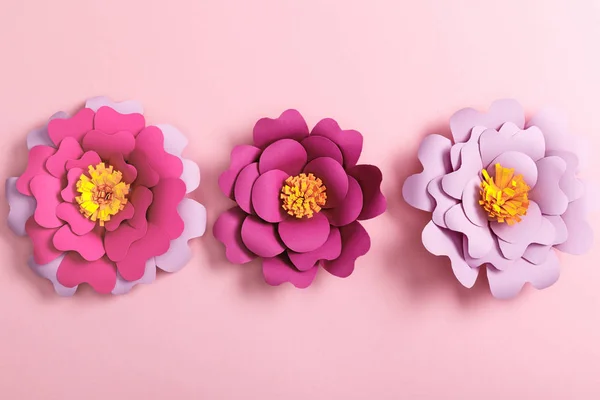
[289,125]
[355,243]
[228,230]
[350,142]
[369,177]
[241,156]
[278,270]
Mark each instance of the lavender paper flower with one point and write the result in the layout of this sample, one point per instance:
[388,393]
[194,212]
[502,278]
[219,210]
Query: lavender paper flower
[504,194]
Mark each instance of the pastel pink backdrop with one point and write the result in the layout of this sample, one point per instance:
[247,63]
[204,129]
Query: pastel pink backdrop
[400,327]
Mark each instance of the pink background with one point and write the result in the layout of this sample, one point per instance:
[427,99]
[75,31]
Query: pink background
[400,327]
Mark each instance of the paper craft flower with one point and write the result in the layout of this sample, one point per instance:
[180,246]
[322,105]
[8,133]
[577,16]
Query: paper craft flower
[300,196]
[504,194]
[103,199]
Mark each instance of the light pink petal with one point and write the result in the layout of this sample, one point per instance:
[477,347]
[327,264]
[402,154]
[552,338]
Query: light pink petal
[470,201]
[349,210]
[443,202]
[434,154]
[355,243]
[480,239]
[36,165]
[350,142]
[39,136]
[243,187]
[494,257]
[290,125]
[261,237]
[455,155]
[79,224]
[123,286]
[46,190]
[537,253]
[511,138]
[286,155]
[76,126]
[320,146]
[21,207]
[69,193]
[581,235]
[110,121]
[304,234]
[545,235]
[522,163]
[334,178]
[471,166]
[106,145]
[560,229]
[331,250]
[500,112]
[88,158]
[89,246]
[228,230]
[49,271]
[509,282]
[154,243]
[99,274]
[547,193]
[569,183]
[123,107]
[69,149]
[522,231]
[241,156]
[43,248]
[443,242]
[278,270]
[266,196]
[369,178]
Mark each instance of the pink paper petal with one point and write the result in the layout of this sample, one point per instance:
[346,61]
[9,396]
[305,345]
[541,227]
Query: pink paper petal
[123,107]
[350,142]
[266,196]
[123,286]
[110,121]
[286,155]
[241,156]
[545,235]
[581,235]
[555,127]
[39,136]
[129,171]
[500,112]
[79,224]
[106,145]
[154,243]
[494,257]
[523,230]
[455,155]
[331,250]
[304,234]
[69,149]
[243,187]
[88,158]
[355,243]
[511,138]
[69,193]
[369,178]
[509,282]
[333,176]
[46,190]
[471,166]
[21,207]
[190,175]
[349,210]
[443,242]
[537,253]
[560,229]
[480,239]
[320,146]
[35,166]
[290,125]
[261,237]
[163,210]
[570,185]
[547,193]
[99,274]
[443,202]
[43,248]
[522,163]
[150,142]
[228,230]
[89,246]
[470,201]
[115,221]
[76,126]
[146,175]
[49,271]
[278,270]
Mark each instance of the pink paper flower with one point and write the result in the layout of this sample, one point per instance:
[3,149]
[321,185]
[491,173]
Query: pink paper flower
[103,199]
[299,195]
[504,194]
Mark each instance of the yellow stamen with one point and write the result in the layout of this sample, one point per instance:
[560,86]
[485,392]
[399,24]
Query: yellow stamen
[103,194]
[303,195]
[504,198]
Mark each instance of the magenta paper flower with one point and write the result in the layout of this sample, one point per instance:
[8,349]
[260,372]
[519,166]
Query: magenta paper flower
[504,194]
[103,199]
[299,196]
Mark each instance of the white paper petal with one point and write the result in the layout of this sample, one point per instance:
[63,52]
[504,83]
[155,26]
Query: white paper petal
[122,286]
[21,207]
[123,107]
[39,136]
[48,271]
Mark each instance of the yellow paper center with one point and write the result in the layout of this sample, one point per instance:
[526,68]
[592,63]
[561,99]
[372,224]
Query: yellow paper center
[303,195]
[505,197]
[103,194]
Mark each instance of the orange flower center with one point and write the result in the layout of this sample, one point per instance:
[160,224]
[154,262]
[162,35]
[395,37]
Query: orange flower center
[303,195]
[505,197]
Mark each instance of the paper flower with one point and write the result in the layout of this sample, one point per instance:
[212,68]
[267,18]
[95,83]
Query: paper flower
[299,198]
[103,199]
[504,194]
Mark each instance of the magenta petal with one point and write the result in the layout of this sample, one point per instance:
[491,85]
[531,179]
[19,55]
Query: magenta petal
[154,243]
[350,142]
[443,242]
[500,112]
[581,235]
[333,176]
[261,237]
[43,248]
[522,231]
[290,125]
[522,163]
[76,126]
[123,215]
[369,178]
[241,156]
[36,165]
[243,187]
[146,175]
[110,121]
[69,149]
[108,145]
[278,270]
[79,224]
[480,239]
[266,196]
[69,193]
[320,146]
[355,243]
[286,155]
[349,210]
[547,193]
[99,274]
[88,158]
[329,251]
[510,138]
[129,171]
[151,143]
[304,234]
[46,190]
[89,246]
[470,202]
[443,202]
[228,230]
[163,210]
